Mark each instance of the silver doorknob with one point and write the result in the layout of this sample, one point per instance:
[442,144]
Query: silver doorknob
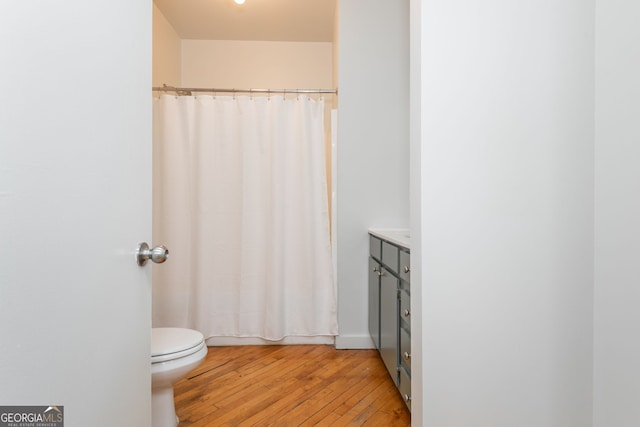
[158,254]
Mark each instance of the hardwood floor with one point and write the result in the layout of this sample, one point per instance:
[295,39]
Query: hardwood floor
[305,385]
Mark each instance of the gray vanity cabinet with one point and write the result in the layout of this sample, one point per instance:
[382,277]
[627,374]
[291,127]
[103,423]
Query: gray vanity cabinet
[389,309]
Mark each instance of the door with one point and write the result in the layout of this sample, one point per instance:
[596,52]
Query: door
[75,200]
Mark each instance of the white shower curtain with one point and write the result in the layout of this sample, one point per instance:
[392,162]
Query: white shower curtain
[240,200]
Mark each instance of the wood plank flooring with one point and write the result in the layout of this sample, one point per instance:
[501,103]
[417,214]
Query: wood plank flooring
[302,385]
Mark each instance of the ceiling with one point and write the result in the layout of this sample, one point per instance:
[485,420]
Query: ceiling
[269,20]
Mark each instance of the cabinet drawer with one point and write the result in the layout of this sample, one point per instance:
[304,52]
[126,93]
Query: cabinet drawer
[405,266]
[375,248]
[390,256]
[405,388]
[405,310]
[405,349]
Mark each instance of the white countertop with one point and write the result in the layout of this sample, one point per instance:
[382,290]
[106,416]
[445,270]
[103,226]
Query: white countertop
[398,236]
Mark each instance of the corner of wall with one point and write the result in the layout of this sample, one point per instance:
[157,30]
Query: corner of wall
[167,51]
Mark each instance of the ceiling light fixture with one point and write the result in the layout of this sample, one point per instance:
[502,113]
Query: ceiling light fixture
[239,1]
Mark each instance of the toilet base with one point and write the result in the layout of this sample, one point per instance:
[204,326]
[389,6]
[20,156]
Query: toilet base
[163,411]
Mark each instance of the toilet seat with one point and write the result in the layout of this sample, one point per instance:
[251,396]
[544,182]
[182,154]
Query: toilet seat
[174,343]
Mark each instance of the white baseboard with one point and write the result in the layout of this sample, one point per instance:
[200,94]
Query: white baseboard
[354,342]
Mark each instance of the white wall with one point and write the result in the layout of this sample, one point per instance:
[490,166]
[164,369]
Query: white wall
[167,54]
[256,64]
[373,147]
[617,215]
[503,201]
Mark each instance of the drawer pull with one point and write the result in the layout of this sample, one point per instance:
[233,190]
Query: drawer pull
[377,271]
[406,269]
[406,355]
[407,398]
[406,312]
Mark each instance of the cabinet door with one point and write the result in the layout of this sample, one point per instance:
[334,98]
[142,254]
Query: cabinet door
[374,301]
[389,306]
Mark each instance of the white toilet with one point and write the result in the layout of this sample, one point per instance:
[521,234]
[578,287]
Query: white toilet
[174,353]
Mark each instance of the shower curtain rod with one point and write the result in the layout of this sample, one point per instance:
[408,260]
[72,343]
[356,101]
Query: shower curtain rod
[189,90]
